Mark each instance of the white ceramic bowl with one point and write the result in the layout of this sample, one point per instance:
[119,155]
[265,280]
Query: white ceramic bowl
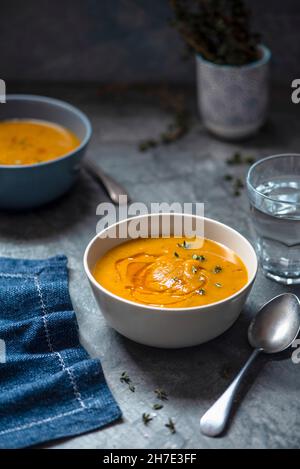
[171,327]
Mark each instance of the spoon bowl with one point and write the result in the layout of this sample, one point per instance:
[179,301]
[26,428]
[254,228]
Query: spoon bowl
[276,325]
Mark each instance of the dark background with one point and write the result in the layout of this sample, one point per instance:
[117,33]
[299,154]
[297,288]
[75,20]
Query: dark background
[122,40]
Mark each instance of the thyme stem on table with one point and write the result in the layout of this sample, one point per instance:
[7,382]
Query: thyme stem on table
[161,394]
[146,418]
[126,379]
[157,406]
[171,426]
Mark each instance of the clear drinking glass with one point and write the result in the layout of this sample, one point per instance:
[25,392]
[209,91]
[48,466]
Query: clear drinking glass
[274,191]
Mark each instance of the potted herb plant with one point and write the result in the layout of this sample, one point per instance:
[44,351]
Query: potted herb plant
[232,64]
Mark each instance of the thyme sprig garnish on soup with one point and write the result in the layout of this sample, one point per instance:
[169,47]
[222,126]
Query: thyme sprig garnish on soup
[197,257]
[184,245]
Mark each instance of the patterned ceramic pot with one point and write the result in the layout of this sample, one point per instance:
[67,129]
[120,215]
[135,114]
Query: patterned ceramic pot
[232,99]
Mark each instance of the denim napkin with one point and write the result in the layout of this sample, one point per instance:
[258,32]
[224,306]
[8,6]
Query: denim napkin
[49,386]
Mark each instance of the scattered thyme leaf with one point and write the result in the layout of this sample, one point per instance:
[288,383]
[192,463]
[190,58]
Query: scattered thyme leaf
[161,394]
[238,183]
[194,269]
[146,418]
[217,269]
[201,291]
[157,406]
[184,245]
[146,144]
[125,378]
[198,258]
[176,254]
[249,160]
[180,119]
[171,426]
[219,285]
[175,279]
[236,159]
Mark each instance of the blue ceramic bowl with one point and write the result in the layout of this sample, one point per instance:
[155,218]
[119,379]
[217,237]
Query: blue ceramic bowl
[29,186]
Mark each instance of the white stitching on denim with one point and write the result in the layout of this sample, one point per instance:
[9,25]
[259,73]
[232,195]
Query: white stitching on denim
[50,419]
[77,394]
[70,373]
[5,274]
[39,422]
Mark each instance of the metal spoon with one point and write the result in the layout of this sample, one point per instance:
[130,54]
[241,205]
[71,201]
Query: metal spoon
[113,188]
[274,329]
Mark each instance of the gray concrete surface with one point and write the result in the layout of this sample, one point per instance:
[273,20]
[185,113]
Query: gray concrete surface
[267,414]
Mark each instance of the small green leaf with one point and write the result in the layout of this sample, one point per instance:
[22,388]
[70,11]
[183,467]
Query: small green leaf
[146,418]
[184,245]
[125,378]
[250,160]
[161,394]
[198,258]
[239,183]
[146,144]
[157,406]
[171,426]
[236,159]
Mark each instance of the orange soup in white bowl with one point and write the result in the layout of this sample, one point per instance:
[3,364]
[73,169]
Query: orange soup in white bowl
[171,292]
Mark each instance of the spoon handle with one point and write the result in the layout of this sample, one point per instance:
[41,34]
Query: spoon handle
[215,419]
[113,188]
